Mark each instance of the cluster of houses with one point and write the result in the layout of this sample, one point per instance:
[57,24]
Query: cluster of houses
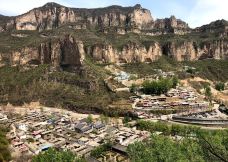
[35,132]
[185,93]
[180,98]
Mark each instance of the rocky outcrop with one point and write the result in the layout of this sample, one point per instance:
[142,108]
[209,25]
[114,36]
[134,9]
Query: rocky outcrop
[130,53]
[65,53]
[213,27]
[53,15]
[123,19]
[68,53]
[170,23]
[180,51]
[189,50]
[217,49]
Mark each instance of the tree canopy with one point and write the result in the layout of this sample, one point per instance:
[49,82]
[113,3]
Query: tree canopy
[4,151]
[194,144]
[160,86]
[220,86]
[52,155]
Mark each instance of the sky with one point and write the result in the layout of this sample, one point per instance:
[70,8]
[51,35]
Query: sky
[194,12]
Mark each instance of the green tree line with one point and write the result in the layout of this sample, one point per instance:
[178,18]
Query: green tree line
[4,146]
[195,145]
[53,155]
[160,86]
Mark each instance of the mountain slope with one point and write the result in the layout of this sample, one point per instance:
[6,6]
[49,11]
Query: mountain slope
[112,34]
[55,54]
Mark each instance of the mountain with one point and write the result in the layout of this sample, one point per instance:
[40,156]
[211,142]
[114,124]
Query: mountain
[56,55]
[219,26]
[63,36]
[122,19]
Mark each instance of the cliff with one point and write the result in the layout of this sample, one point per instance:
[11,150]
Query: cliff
[66,53]
[53,15]
[180,51]
[124,19]
[130,53]
[62,37]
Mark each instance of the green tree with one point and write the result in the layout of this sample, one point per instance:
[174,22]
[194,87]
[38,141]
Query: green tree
[4,146]
[214,144]
[175,82]
[220,86]
[190,71]
[164,149]
[208,93]
[104,119]
[158,87]
[195,145]
[89,118]
[52,155]
[133,88]
[100,150]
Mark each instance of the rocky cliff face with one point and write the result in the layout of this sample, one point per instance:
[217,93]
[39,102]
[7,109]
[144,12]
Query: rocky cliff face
[65,53]
[124,19]
[190,50]
[130,53]
[69,54]
[181,51]
[216,49]
[53,15]
[169,24]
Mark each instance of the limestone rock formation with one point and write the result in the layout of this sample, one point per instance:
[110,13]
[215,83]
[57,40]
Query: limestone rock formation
[62,50]
[65,53]
[68,53]
[131,52]
[181,51]
[217,49]
[171,22]
[191,51]
[124,19]
[53,15]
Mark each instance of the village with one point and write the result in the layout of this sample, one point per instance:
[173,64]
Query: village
[34,130]
[38,130]
[177,104]
[179,100]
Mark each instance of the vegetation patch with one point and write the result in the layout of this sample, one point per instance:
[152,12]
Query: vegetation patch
[54,155]
[4,145]
[192,144]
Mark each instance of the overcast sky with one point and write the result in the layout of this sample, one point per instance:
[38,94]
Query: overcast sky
[194,12]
